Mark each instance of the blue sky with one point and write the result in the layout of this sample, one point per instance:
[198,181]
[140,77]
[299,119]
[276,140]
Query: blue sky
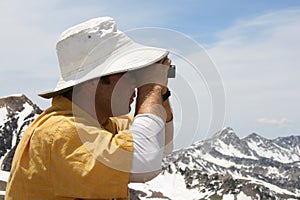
[254,45]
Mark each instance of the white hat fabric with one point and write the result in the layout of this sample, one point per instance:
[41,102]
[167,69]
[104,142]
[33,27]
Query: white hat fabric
[96,48]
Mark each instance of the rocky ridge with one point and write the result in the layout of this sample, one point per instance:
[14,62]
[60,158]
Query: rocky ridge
[16,113]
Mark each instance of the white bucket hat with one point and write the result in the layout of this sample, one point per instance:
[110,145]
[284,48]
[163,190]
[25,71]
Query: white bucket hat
[96,48]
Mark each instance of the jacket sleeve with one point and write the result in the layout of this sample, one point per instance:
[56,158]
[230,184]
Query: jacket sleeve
[151,137]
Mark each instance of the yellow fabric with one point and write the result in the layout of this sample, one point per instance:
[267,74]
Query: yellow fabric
[65,155]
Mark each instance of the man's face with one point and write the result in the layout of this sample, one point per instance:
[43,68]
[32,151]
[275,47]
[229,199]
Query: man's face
[117,95]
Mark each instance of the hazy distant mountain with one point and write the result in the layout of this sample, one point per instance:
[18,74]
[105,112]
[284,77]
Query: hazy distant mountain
[16,113]
[222,167]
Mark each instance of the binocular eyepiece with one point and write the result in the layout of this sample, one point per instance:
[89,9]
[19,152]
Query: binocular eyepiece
[172,71]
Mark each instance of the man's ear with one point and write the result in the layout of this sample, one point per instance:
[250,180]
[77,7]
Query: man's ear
[105,80]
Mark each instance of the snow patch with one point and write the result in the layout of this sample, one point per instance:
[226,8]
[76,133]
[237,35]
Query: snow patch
[230,150]
[173,186]
[268,185]
[228,197]
[4,176]
[218,161]
[273,170]
[276,152]
[23,114]
[243,196]
[3,115]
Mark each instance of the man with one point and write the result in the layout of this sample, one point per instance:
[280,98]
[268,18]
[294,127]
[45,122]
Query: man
[83,146]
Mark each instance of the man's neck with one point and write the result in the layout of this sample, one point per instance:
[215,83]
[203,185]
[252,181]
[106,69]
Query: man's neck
[88,105]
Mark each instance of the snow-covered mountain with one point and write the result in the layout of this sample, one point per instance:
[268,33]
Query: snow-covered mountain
[222,167]
[227,167]
[16,113]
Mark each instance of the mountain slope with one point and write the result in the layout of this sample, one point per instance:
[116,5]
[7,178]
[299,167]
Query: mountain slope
[228,167]
[16,113]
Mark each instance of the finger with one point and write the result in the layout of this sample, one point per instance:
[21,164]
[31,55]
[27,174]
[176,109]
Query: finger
[167,61]
[162,60]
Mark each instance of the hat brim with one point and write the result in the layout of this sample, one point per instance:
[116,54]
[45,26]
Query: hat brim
[128,58]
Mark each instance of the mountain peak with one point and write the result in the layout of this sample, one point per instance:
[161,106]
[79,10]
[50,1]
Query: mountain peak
[227,135]
[254,136]
[12,95]
[227,128]
[15,103]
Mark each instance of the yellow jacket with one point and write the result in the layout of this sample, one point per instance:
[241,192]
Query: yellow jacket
[64,154]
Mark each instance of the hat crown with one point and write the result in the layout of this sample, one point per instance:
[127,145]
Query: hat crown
[92,25]
[82,47]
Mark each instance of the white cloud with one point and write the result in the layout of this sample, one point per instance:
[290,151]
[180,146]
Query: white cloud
[259,60]
[268,41]
[260,57]
[281,121]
